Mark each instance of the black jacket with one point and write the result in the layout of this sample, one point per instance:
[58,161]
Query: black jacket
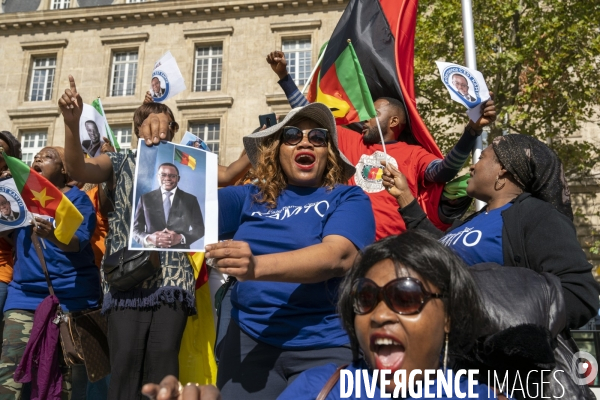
[537,236]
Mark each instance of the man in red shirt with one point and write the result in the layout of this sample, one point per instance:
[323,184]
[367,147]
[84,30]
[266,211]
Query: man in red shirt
[365,151]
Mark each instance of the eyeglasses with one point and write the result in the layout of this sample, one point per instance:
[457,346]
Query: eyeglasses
[292,136]
[404,296]
[172,176]
[173,126]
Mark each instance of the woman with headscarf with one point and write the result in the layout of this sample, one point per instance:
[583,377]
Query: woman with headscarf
[527,221]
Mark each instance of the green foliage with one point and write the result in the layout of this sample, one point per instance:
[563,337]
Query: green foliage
[540,59]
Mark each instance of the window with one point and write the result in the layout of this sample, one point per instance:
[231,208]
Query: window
[123,136]
[209,132]
[298,56]
[60,4]
[32,144]
[124,73]
[209,65]
[42,78]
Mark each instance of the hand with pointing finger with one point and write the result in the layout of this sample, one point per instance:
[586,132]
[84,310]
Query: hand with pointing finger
[71,104]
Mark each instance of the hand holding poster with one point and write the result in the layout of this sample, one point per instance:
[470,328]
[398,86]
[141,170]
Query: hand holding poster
[466,86]
[92,130]
[13,213]
[167,80]
[175,198]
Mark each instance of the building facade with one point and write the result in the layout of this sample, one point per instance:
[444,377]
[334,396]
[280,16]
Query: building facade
[110,47]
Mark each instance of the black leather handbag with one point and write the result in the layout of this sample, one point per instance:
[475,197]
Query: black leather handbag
[126,269]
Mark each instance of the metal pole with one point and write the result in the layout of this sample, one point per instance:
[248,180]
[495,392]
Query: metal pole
[471,61]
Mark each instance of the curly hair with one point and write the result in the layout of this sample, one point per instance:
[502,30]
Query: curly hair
[271,180]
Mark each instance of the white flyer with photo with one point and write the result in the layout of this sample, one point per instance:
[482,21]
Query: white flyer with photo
[166,80]
[466,86]
[13,212]
[92,131]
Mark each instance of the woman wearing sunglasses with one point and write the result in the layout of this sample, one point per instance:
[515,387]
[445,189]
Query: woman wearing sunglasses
[295,232]
[407,304]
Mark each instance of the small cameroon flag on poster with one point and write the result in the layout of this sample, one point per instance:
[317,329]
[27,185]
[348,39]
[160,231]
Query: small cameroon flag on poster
[185,159]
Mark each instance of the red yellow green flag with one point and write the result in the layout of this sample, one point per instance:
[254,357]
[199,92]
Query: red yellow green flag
[43,198]
[196,356]
[343,88]
[184,158]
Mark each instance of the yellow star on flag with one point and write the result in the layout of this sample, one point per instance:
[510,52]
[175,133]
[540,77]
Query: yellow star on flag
[41,197]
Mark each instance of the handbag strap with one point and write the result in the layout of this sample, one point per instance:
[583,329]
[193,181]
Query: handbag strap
[333,379]
[38,249]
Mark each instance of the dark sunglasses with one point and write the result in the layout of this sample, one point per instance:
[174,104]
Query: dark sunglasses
[292,136]
[404,296]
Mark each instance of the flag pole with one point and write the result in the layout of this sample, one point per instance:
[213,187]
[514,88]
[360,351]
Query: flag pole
[312,74]
[471,61]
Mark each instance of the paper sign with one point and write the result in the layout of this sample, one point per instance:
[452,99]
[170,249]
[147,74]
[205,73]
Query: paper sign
[167,80]
[92,131]
[13,213]
[466,86]
[175,198]
[189,139]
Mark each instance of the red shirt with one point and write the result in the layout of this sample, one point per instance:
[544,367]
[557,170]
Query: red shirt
[411,160]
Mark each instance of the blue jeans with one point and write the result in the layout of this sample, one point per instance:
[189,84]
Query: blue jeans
[3,294]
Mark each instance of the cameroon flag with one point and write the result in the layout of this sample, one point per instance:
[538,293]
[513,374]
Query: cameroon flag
[343,88]
[196,357]
[43,198]
[185,159]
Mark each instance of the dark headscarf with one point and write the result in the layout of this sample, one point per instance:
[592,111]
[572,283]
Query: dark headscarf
[536,168]
[14,146]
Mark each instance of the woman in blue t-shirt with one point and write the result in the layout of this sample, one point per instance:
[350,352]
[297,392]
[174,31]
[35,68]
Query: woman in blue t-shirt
[75,277]
[295,232]
[527,221]
[407,304]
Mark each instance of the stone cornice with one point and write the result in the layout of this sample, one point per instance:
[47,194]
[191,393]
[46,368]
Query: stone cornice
[119,107]
[203,102]
[207,32]
[126,37]
[296,25]
[33,112]
[154,12]
[44,44]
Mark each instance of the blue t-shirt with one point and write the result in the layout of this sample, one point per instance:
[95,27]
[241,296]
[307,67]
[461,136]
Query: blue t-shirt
[480,239]
[310,383]
[75,277]
[291,315]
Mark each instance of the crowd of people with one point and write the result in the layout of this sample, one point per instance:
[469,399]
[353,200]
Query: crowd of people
[331,269]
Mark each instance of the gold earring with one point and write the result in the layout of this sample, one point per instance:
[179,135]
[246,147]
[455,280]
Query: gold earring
[496,183]
[446,354]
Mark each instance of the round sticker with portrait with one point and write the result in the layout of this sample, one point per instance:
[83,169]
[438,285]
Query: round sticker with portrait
[463,84]
[159,86]
[12,208]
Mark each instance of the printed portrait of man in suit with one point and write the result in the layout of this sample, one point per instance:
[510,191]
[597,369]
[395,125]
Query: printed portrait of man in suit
[92,146]
[461,85]
[168,217]
[6,213]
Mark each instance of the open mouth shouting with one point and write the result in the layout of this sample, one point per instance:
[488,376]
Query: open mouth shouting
[305,160]
[388,352]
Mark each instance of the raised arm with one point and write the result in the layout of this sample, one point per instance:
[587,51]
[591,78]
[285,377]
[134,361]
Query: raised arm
[278,63]
[87,170]
[231,174]
[444,170]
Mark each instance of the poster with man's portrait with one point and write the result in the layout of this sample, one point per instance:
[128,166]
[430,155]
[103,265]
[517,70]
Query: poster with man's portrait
[466,86]
[92,131]
[13,212]
[166,80]
[175,205]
